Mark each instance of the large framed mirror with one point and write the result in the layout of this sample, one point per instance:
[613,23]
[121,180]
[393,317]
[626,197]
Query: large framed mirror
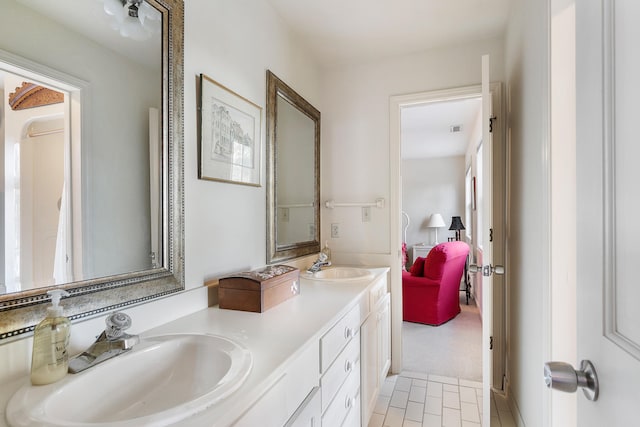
[293,173]
[91,156]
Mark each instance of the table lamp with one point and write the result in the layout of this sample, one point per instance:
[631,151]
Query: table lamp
[435,221]
[456,224]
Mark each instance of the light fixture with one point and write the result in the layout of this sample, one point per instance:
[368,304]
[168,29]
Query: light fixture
[456,224]
[134,19]
[435,221]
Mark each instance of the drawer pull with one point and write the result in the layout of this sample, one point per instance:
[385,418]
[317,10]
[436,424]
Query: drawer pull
[348,402]
[348,332]
[348,366]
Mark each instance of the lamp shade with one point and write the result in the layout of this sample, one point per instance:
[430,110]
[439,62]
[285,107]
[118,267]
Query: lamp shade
[456,223]
[435,220]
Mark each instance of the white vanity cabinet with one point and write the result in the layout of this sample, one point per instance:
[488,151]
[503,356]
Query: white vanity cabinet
[336,379]
[286,396]
[375,347]
[319,359]
[340,369]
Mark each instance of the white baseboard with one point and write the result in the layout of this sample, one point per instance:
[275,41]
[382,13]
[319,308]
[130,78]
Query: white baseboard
[515,411]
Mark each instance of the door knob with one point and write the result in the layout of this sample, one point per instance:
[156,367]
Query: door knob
[561,376]
[496,269]
[487,270]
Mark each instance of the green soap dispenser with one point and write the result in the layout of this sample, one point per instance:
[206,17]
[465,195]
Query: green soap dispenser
[50,360]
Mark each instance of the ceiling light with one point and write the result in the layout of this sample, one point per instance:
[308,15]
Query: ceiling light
[134,19]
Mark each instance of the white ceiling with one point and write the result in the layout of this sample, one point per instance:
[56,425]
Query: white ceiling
[426,129]
[345,31]
[88,18]
[341,32]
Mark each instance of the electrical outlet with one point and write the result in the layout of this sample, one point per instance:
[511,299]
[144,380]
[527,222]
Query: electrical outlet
[366,213]
[335,231]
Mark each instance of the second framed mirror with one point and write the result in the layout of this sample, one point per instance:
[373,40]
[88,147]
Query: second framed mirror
[293,173]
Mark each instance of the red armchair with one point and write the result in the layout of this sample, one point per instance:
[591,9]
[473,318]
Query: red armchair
[431,289]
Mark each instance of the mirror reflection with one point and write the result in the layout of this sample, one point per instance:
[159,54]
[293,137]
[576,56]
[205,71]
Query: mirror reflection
[81,137]
[295,175]
[293,181]
[116,230]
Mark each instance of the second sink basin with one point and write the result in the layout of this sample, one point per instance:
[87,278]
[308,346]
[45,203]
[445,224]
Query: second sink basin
[340,274]
[163,380]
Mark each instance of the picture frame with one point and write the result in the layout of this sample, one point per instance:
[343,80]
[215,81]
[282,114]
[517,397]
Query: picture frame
[229,135]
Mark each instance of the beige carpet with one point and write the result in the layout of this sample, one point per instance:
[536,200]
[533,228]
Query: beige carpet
[452,349]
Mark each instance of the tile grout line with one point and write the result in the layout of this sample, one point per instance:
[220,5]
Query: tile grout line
[395,407]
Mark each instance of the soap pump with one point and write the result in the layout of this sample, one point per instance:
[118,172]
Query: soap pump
[50,360]
[327,251]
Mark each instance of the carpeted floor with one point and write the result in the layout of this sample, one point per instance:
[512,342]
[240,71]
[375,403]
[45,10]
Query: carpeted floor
[452,349]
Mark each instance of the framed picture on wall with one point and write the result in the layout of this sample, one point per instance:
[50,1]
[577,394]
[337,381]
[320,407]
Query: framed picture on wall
[229,129]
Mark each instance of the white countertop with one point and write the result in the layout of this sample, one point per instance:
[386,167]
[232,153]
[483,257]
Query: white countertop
[273,337]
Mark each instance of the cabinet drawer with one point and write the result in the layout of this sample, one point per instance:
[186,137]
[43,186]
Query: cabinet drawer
[338,337]
[377,292]
[337,373]
[302,376]
[346,400]
[354,416]
[308,414]
[269,410]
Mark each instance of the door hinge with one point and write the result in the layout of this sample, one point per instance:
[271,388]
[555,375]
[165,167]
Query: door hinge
[491,234]
[491,119]
[491,343]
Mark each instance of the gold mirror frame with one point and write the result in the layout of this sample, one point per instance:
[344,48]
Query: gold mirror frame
[275,252]
[20,311]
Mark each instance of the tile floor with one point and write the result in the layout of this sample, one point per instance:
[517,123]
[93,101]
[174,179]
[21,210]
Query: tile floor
[420,400]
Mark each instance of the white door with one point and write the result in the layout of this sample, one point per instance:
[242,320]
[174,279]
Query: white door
[608,202]
[486,256]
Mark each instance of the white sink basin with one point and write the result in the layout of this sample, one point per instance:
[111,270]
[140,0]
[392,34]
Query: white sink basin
[163,380]
[340,274]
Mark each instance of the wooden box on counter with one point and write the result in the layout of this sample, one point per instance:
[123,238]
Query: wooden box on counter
[259,290]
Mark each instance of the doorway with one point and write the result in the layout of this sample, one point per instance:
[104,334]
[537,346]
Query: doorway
[40,168]
[441,163]
[494,332]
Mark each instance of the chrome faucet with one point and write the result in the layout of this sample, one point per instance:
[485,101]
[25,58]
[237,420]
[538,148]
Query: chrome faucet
[110,343]
[322,261]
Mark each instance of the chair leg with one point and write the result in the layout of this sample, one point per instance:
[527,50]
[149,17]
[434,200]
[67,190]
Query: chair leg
[467,285]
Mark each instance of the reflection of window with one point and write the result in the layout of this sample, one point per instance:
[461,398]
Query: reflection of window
[468,195]
[231,143]
[479,184]
[242,159]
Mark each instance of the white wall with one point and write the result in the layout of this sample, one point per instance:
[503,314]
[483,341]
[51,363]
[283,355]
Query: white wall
[429,186]
[234,43]
[563,202]
[355,143]
[471,161]
[527,65]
